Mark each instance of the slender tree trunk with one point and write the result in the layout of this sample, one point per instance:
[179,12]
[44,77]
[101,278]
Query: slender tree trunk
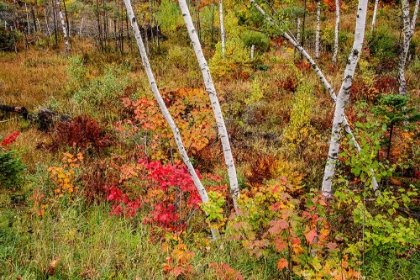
[343,98]
[303,23]
[63,25]
[375,11]
[81,27]
[98,22]
[67,19]
[200,188]
[337,25]
[46,20]
[408,31]
[222,28]
[34,18]
[145,33]
[224,137]
[28,24]
[318,27]
[252,51]
[55,22]
[322,78]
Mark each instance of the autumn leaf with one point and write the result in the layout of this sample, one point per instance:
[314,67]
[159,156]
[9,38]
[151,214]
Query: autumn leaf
[52,266]
[282,264]
[310,236]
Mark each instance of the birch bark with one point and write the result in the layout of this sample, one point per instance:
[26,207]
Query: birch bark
[408,31]
[200,188]
[337,25]
[343,98]
[63,25]
[222,28]
[318,27]
[222,132]
[322,78]
[375,10]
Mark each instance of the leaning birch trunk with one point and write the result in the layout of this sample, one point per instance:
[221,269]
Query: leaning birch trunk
[408,34]
[343,98]
[321,76]
[318,27]
[375,11]
[200,188]
[222,28]
[224,137]
[66,39]
[337,25]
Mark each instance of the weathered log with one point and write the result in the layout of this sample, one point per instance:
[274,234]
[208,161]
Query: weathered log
[15,109]
[45,118]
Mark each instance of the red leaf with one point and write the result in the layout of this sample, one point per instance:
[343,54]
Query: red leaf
[282,264]
[311,235]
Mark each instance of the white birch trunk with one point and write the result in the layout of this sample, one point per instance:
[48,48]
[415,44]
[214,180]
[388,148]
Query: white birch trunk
[81,27]
[200,188]
[222,28]
[318,27]
[337,25]
[322,78]
[224,137]
[46,21]
[375,11]
[28,25]
[63,25]
[252,51]
[408,32]
[298,31]
[343,98]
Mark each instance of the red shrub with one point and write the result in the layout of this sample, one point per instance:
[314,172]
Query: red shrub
[82,132]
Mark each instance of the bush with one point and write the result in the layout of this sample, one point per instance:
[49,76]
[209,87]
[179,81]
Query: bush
[11,168]
[259,39]
[383,45]
[83,132]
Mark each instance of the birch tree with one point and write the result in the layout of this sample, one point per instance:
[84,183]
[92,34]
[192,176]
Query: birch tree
[343,98]
[152,82]
[337,25]
[222,28]
[63,25]
[375,11]
[318,27]
[211,91]
[408,31]
[322,78]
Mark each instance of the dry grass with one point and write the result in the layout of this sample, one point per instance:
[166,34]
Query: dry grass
[29,78]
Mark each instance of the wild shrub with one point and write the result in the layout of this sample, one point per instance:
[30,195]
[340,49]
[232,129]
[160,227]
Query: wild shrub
[383,44]
[82,132]
[166,190]
[191,112]
[294,234]
[11,168]
[258,39]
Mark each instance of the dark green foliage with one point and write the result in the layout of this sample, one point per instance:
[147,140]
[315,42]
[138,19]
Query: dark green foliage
[11,168]
[259,39]
[393,108]
[383,45]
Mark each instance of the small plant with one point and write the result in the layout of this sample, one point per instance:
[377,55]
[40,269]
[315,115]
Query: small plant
[11,166]
[64,176]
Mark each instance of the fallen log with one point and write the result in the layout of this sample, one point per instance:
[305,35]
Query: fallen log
[15,109]
[45,118]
